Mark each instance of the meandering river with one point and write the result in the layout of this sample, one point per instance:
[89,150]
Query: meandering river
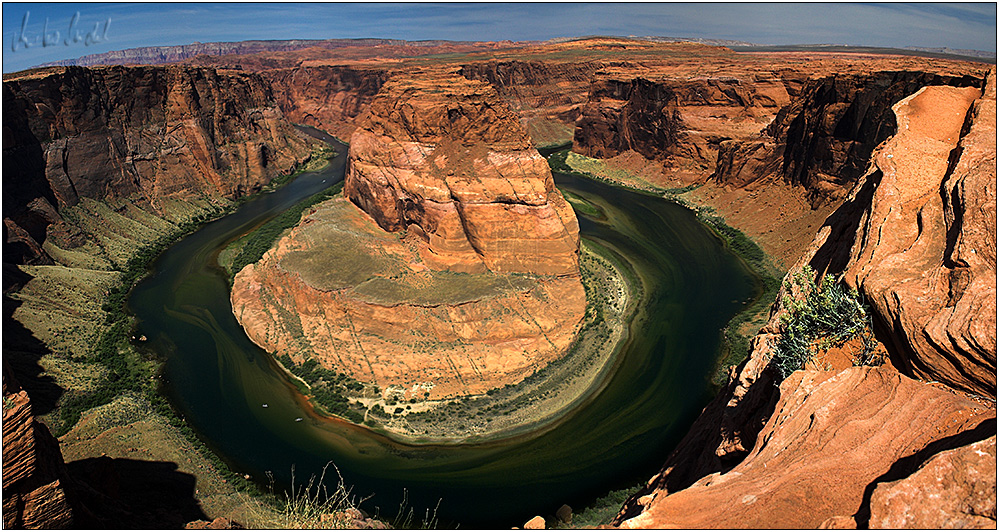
[220,382]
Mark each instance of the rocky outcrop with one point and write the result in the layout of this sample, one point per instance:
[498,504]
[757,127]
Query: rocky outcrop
[35,480]
[813,129]
[340,290]
[826,136]
[459,271]
[831,435]
[444,157]
[961,482]
[840,446]
[141,133]
[917,238]
[680,119]
[325,97]
[546,95]
[556,87]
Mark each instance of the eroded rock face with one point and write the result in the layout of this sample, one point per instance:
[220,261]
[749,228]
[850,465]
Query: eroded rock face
[325,97]
[826,136]
[831,434]
[443,157]
[340,290]
[925,260]
[823,138]
[744,122]
[450,269]
[547,95]
[678,118]
[810,452]
[961,483]
[34,474]
[140,133]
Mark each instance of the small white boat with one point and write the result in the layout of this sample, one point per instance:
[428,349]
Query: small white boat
[264,405]
[297,419]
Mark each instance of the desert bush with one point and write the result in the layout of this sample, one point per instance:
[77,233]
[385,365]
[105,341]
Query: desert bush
[824,315]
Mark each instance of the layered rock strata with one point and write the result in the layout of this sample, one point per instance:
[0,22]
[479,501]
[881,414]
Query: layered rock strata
[141,133]
[546,95]
[813,130]
[451,268]
[961,482]
[840,446]
[340,290]
[35,479]
[445,158]
[923,252]
[684,118]
[877,418]
[326,97]
[824,139]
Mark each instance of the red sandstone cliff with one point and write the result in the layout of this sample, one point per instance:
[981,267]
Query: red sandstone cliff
[824,138]
[752,124]
[325,97]
[35,479]
[916,235]
[444,157]
[923,254]
[141,133]
[547,95]
[855,446]
[683,117]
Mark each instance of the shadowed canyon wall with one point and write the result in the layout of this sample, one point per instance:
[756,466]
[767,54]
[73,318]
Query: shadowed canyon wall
[325,97]
[135,132]
[664,117]
[817,133]
[827,134]
[36,492]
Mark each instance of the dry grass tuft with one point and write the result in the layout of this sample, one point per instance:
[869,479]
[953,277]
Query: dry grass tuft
[314,506]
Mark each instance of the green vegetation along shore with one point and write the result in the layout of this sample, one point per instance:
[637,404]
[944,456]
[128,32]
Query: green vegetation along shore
[250,247]
[94,368]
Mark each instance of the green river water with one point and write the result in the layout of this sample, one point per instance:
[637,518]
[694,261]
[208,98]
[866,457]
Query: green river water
[219,381]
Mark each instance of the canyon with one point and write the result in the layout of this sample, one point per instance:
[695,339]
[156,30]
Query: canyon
[878,170]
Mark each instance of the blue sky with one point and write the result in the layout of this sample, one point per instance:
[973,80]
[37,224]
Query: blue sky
[954,25]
